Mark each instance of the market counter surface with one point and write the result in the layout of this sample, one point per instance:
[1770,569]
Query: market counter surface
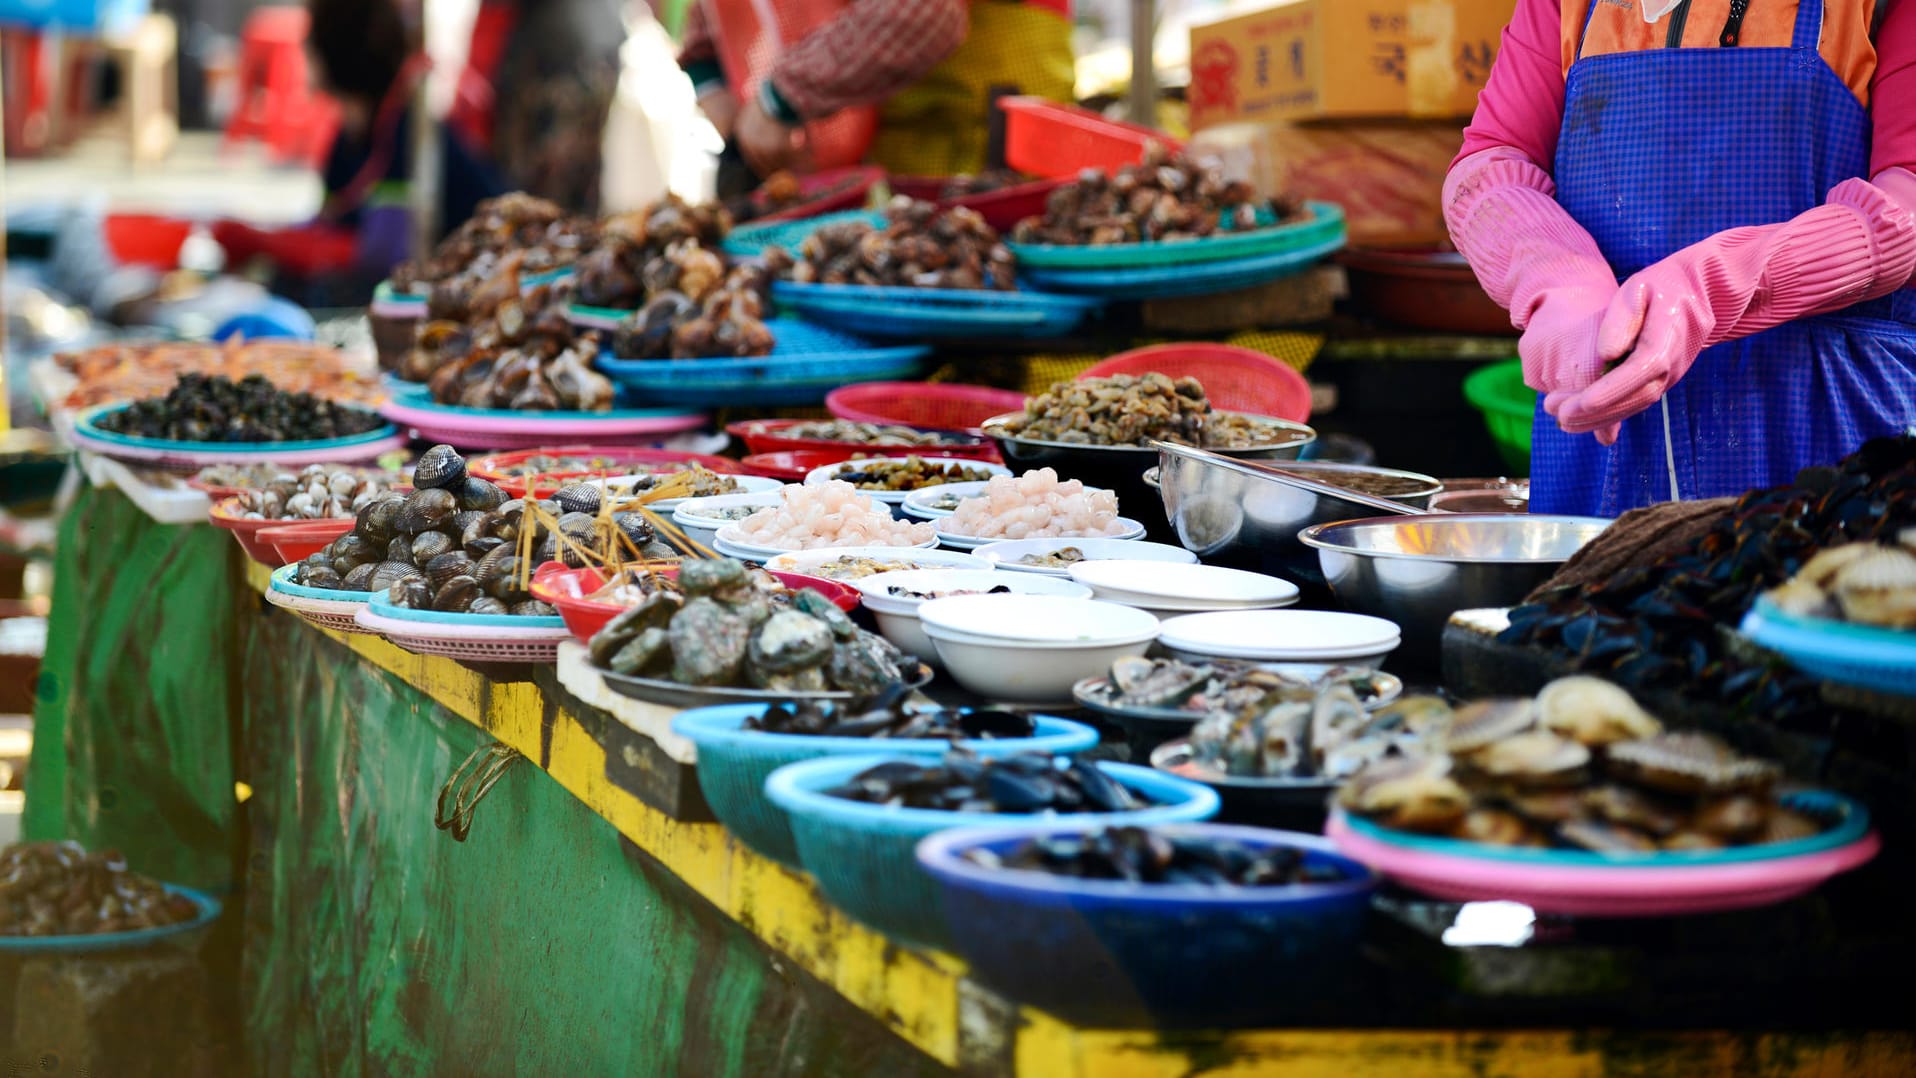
[579,925]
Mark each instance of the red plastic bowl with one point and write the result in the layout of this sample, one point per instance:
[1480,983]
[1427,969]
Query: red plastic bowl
[763,436]
[826,192]
[1044,138]
[1235,379]
[1002,209]
[146,240]
[297,542]
[793,465]
[493,468]
[226,514]
[567,589]
[935,405]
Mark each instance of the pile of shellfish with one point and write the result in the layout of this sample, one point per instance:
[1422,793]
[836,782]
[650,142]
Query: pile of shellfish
[1866,583]
[921,246]
[457,544]
[720,628]
[1581,766]
[1166,196]
[316,492]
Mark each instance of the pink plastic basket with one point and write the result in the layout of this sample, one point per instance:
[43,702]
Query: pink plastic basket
[1045,138]
[827,192]
[930,405]
[1235,379]
[1001,209]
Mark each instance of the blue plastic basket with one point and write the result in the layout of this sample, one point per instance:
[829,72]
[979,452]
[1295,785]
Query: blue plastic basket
[747,241]
[89,426]
[283,582]
[1865,656]
[209,908]
[1325,221]
[82,15]
[921,313]
[1116,953]
[862,855]
[381,605]
[806,363]
[1170,282]
[735,762]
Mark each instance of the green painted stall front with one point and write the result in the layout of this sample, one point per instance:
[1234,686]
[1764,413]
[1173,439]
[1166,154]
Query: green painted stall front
[373,943]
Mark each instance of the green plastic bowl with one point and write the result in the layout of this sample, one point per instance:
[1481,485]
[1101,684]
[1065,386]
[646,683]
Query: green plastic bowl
[1508,407]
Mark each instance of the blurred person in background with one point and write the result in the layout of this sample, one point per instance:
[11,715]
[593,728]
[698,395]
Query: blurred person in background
[928,66]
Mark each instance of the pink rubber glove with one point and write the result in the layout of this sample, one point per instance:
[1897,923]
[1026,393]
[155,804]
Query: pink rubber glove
[1859,245]
[1535,260]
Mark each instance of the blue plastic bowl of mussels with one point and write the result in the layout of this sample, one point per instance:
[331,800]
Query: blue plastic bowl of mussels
[735,762]
[1118,953]
[861,854]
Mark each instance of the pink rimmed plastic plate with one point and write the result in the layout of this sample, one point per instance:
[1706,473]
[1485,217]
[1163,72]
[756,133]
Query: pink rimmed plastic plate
[1604,891]
[467,429]
[468,643]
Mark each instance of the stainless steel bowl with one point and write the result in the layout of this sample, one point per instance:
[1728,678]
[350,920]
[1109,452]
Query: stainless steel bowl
[1237,515]
[1120,468]
[1417,571]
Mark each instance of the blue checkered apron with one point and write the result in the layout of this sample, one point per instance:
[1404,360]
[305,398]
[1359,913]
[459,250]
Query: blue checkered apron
[1664,148]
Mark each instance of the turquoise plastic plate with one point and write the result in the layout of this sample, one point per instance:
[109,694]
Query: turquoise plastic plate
[114,941]
[89,425]
[1326,222]
[283,582]
[419,398]
[748,240]
[1861,655]
[383,607]
[1850,823]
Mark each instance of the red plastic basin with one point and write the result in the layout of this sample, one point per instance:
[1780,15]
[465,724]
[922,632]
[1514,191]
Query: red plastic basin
[297,542]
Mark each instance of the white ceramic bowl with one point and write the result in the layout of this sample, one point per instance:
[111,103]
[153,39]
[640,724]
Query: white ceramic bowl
[897,616]
[1031,648]
[808,561]
[729,543]
[896,498]
[1166,587]
[1290,640]
[693,517]
[748,484]
[1006,553]
[1132,530]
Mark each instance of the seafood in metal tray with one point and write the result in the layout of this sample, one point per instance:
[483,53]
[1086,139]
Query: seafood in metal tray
[1581,768]
[721,628]
[1025,783]
[1145,855]
[455,543]
[1659,628]
[890,716]
[59,889]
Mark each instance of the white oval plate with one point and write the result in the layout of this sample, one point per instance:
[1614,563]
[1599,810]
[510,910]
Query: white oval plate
[1280,634]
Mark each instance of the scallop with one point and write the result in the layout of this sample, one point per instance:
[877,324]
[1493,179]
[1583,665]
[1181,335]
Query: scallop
[1535,757]
[1486,721]
[1593,712]
[1688,763]
[1879,588]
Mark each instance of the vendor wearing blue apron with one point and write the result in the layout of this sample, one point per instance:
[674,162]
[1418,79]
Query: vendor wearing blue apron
[1702,216]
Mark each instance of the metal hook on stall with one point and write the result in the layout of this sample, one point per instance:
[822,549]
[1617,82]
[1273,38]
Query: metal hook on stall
[468,785]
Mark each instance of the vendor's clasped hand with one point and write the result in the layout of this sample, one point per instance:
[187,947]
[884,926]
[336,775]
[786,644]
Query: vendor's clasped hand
[1653,330]
[767,144]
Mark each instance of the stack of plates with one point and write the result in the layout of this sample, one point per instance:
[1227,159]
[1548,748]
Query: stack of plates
[1305,642]
[1222,262]
[1168,590]
[1031,649]
[1132,530]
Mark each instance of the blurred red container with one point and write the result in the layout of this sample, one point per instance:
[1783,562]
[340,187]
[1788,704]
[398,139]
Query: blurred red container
[1044,138]
[623,458]
[143,239]
[933,405]
[1234,379]
[1001,209]
[825,192]
[764,436]
[793,465]
[567,589]
[227,514]
[297,542]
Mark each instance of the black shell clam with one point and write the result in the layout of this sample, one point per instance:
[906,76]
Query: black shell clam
[486,604]
[388,573]
[439,468]
[376,518]
[456,595]
[448,565]
[360,579]
[479,494]
[578,498]
[425,510]
[400,549]
[410,594]
[428,545]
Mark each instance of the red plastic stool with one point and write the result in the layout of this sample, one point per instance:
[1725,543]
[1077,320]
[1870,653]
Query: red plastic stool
[274,102]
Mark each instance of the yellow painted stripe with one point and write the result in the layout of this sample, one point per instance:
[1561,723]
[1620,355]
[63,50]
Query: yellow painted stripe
[916,993]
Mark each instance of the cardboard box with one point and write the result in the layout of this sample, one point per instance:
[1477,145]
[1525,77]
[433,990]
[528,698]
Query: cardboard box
[1387,174]
[1312,59]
